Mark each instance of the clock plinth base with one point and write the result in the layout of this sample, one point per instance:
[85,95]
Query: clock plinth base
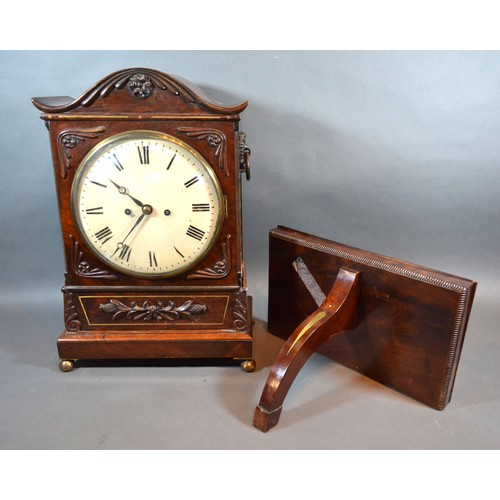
[161,344]
[106,345]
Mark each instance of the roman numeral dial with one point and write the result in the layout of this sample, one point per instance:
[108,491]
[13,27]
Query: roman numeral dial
[147,204]
[143,154]
[94,211]
[152,259]
[195,233]
[201,207]
[191,182]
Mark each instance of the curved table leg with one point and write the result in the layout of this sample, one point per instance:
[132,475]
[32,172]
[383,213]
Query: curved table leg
[335,315]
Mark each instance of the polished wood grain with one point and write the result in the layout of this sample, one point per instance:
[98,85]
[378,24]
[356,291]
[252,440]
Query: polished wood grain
[411,320]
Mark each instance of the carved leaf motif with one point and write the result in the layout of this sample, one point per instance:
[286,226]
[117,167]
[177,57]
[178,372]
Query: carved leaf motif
[71,317]
[215,139]
[108,308]
[118,80]
[69,140]
[240,311]
[82,268]
[153,311]
[185,306]
[221,268]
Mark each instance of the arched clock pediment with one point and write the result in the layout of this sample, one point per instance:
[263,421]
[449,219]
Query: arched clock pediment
[166,91]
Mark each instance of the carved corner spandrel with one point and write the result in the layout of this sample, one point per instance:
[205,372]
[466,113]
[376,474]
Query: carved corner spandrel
[221,268]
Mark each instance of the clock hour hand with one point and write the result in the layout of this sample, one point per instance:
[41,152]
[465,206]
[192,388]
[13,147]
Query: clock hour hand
[124,191]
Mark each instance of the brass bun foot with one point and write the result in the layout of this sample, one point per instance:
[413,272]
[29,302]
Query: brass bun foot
[66,365]
[248,365]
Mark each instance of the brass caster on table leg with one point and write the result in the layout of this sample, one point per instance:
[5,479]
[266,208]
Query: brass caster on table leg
[66,365]
[248,365]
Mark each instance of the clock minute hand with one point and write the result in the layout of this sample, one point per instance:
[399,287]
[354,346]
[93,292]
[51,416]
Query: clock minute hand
[138,221]
[123,190]
[146,210]
[119,246]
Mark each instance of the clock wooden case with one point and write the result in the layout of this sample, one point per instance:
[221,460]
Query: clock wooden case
[148,173]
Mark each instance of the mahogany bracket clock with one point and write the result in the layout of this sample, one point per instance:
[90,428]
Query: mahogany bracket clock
[148,174]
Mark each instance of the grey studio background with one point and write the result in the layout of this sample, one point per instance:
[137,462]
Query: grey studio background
[393,152]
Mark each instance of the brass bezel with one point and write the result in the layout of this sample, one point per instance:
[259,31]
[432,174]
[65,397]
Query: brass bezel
[97,150]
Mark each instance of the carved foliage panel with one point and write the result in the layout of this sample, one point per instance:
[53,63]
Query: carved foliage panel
[86,311]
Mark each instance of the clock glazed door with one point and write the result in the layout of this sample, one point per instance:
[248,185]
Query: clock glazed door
[112,310]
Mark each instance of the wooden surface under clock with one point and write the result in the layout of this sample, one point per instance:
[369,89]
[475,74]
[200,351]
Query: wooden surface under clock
[411,320]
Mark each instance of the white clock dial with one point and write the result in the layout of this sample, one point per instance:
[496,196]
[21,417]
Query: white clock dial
[147,204]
